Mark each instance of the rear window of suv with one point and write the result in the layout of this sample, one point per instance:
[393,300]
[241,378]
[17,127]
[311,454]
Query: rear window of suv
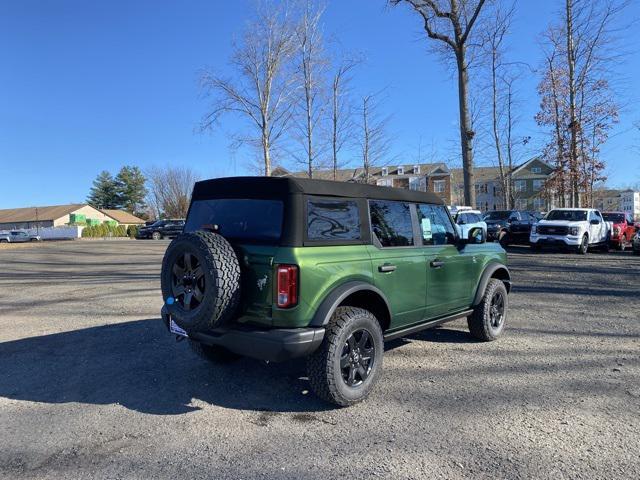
[250,220]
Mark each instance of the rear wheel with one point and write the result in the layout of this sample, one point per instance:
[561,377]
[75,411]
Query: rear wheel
[348,363]
[156,236]
[487,321]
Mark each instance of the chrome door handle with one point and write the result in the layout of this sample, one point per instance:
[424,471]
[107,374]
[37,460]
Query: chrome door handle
[386,268]
[436,263]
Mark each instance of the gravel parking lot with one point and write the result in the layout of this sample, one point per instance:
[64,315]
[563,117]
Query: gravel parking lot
[91,385]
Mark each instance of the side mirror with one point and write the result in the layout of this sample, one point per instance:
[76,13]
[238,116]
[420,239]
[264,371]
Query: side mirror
[476,235]
[595,222]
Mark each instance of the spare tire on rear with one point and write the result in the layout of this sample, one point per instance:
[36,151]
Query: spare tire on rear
[200,281]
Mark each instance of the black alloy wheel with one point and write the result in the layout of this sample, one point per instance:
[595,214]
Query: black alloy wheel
[357,358]
[496,309]
[188,282]
[489,317]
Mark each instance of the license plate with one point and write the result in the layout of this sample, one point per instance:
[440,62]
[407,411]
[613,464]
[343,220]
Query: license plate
[174,328]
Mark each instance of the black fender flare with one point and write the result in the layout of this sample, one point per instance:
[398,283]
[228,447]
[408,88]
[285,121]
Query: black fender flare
[489,270]
[337,295]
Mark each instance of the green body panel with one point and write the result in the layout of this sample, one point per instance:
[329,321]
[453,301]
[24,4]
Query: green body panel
[321,270]
[257,288]
[406,286]
[415,291]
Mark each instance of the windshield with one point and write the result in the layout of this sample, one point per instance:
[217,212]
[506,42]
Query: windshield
[498,215]
[567,215]
[255,221]
[614,217]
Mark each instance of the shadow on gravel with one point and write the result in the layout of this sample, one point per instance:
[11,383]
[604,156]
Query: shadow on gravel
[141,367]
[435,335]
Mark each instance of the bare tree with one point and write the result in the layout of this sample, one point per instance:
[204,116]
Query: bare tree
[169,191]
[494,42]
[374,141]
[452,24]
[261,90]
[585,109]
[554,112]
[340,112]
[311,70]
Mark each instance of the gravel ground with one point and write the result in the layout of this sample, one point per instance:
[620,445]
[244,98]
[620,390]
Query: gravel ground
[92,386]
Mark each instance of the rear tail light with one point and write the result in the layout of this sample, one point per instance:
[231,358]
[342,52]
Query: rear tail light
[287,285]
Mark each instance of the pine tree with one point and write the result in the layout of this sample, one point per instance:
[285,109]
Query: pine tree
[130,188]
[103,193]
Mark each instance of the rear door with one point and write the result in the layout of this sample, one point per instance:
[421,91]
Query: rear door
[449,270]
[397,260]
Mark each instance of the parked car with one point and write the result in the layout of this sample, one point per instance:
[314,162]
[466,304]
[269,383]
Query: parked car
[18,236]
[509,226]
[635,244]
[575,228]
[327,271]
[468,219]
[623,229]
[161,229]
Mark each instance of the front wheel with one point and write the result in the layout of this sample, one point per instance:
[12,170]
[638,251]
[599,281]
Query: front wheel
[487,321]
[503,239]
[584,245]
[156,236]
[347,365]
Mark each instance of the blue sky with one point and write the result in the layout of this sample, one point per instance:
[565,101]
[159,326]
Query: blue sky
[89,86]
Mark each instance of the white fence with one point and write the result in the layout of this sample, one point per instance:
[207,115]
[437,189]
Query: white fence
[57,233]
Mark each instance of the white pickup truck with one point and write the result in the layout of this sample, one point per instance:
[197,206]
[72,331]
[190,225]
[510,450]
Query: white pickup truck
[575,228]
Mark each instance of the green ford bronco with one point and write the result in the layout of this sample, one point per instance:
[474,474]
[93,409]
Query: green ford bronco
[281,268]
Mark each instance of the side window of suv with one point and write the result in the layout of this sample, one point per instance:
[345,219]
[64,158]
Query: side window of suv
[391,223]
[329,219]
[435,225]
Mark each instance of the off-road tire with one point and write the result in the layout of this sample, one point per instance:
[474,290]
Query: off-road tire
[480,321]
[583,248]
[221,271]
[323,365]
[213,353]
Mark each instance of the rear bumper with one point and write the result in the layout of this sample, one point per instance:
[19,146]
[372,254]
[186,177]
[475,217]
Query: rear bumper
[274,345]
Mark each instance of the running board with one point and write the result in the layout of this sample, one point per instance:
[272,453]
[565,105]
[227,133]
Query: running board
[424,326]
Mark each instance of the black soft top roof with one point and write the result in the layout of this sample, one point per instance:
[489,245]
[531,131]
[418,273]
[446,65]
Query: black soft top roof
[281,187]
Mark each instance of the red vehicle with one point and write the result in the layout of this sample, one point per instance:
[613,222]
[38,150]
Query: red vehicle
[623,229]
